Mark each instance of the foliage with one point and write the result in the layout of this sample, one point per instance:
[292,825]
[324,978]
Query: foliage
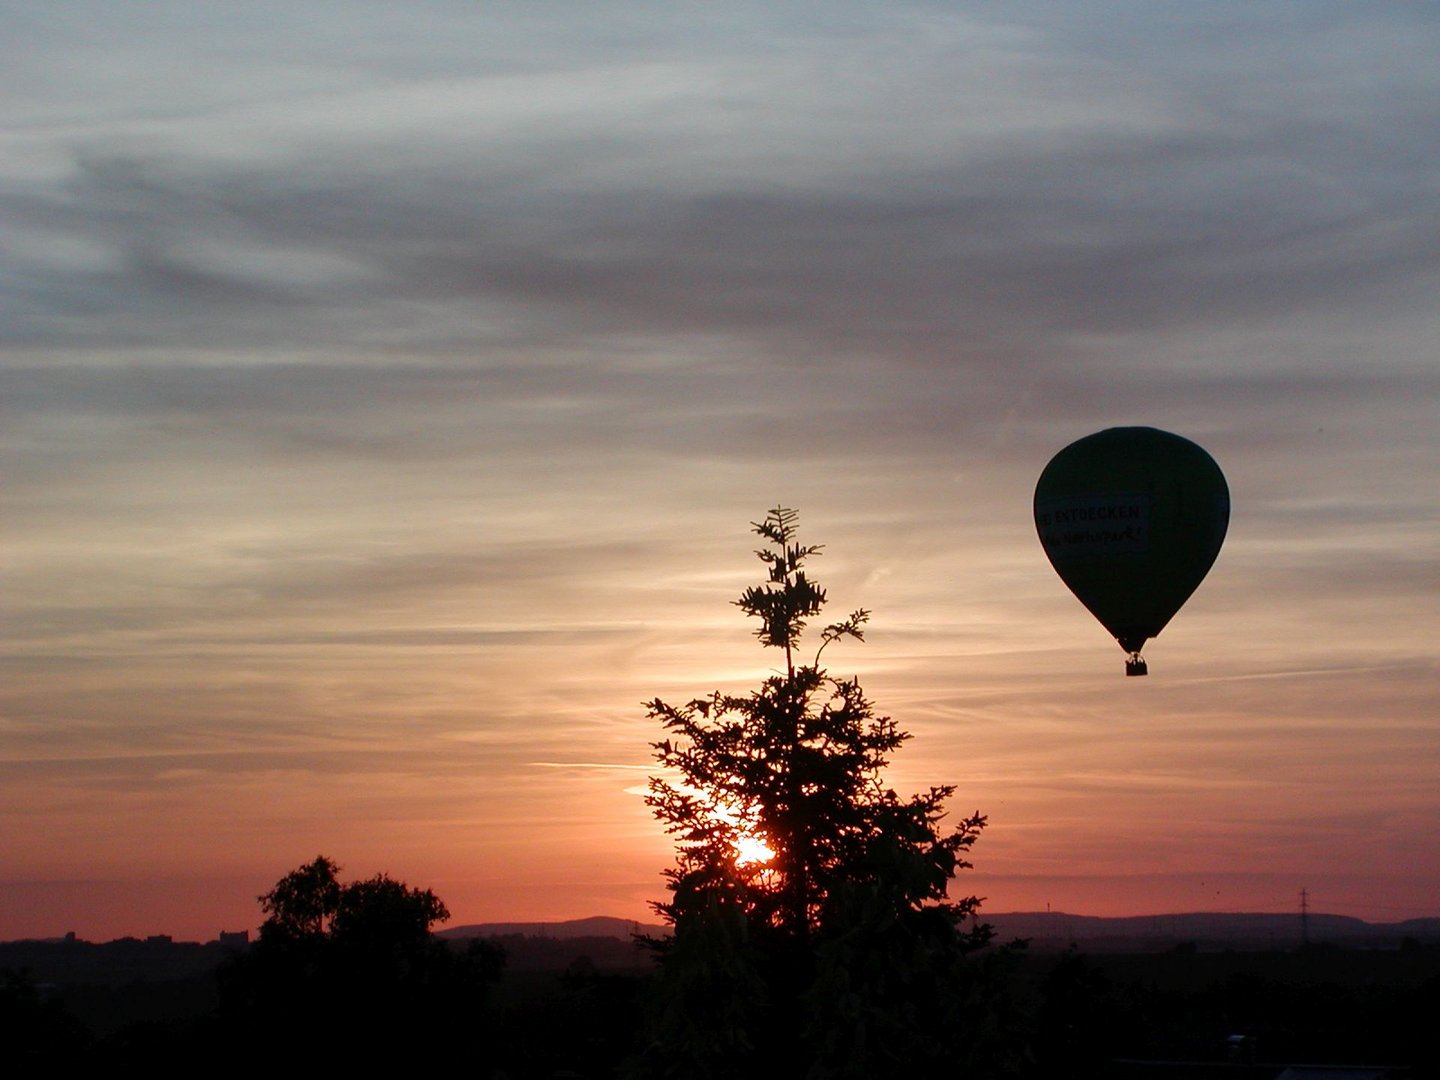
[839,953]
[358,960]
[309,903]
[302,903]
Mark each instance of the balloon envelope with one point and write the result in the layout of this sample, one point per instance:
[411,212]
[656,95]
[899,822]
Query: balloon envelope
[1132,519]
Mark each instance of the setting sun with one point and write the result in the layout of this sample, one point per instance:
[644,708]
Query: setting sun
[752,849]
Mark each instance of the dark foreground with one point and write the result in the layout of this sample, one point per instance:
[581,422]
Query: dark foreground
[576,1008]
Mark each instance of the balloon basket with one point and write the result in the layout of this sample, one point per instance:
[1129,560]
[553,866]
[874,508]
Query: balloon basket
[1135,665]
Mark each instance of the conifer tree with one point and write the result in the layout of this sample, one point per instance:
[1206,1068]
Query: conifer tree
[808,899]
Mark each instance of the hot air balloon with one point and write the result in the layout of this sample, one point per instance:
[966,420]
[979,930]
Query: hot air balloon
[1132,519]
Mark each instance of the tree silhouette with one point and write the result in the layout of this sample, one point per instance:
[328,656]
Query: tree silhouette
[358,961]
[302,903]
[809,901]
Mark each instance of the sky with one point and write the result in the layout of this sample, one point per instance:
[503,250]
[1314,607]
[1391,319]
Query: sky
[386,391]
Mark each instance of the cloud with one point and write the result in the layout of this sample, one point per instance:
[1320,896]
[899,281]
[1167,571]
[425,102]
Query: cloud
[779,197]
[388,389]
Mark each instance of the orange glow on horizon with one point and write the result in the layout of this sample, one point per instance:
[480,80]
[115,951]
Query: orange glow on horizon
[353,521]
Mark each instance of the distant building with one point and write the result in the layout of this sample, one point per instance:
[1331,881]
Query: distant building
[236,939]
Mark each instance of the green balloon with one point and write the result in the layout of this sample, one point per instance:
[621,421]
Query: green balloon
[1132,519]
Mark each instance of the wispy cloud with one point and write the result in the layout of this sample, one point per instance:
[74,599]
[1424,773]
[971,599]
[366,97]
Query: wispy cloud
[384,393]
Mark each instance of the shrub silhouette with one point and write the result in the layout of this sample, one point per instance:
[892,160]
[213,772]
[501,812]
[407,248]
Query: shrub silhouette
[345,972]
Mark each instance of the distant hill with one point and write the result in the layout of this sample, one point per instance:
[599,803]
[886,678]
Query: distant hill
[597,926]
[1254,930]
[1046,928]
[606,944]
[1223,929]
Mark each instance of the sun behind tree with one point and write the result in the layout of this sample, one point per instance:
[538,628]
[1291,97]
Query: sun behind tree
[809,900]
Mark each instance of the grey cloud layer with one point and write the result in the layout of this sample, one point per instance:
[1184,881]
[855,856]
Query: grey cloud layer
[654,239]
[889,200]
